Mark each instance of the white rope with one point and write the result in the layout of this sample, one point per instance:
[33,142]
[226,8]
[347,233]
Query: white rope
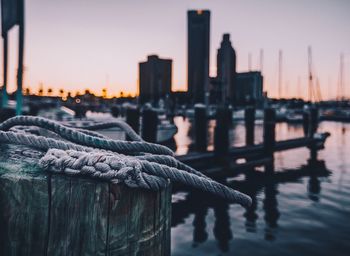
[136,164]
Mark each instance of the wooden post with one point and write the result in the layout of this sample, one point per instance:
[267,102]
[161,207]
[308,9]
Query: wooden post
[133,118]
[115,111]
[80,111]
[52,214]
[221,134]
[200,128]
[4,87]
[19,94]
[149,125]
[313,122]
[269,131]
[306,120]
[313,125]
[249,119]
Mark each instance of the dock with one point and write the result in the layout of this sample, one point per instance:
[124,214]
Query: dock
[222,161]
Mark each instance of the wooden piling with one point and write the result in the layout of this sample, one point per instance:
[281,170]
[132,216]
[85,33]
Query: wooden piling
[53,214]
[221,133]
[313,125]
[149,125]
[200,128]
[133,118]
[249,118]
[306,120]
[313,121]
[115,111]
[269,131]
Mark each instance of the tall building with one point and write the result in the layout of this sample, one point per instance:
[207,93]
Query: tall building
[198,54]
[226,70]
[249,88]
[155,76]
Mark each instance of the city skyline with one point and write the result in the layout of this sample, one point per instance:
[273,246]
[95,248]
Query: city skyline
[99,45]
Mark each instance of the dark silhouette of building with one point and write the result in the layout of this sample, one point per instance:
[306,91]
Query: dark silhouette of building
[155,76]
[249,88]
[226,70]
[198,54]
[214,91]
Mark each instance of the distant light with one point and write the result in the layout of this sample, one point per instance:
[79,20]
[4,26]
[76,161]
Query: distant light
[199,12]
[77,101]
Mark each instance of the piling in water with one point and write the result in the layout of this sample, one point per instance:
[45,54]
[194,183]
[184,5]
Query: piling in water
[249,119]
[133,118]
[149,125]
[200,128]
[269,131]
[221,134]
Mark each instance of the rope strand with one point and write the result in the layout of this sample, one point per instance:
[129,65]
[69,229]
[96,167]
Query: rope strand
[137,164]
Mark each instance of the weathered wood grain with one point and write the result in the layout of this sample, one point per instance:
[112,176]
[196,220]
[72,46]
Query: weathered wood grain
[23,204]
[44,214]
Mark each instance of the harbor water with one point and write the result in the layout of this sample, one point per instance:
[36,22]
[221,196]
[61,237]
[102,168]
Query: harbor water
[302,209]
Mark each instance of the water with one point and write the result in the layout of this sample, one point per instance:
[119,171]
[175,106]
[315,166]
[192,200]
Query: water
[304,209]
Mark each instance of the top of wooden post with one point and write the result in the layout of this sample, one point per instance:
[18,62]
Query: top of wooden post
[52,214]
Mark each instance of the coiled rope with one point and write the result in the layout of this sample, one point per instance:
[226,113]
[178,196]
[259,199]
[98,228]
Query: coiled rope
[136,163]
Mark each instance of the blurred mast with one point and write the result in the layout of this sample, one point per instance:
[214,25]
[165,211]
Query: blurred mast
[310,73]
[280,74]
[250,61]
[341,79]
[299,89]
[261,60]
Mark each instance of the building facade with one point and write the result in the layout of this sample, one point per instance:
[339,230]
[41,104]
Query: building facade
[198,54]
[249,88]
[226,70]
[155,77]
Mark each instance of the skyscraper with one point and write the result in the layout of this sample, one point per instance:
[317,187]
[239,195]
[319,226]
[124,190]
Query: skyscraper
[226,70]
[198,54]
[154,79]
[249,88]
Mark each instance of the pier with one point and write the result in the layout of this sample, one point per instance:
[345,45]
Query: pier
[222,161]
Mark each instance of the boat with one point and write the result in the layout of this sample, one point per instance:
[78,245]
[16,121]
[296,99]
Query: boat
[294,117]
[340,115]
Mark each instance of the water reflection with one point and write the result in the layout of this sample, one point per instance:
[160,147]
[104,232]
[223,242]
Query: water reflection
[198,204]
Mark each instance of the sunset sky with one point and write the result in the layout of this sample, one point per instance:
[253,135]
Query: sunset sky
[92,44]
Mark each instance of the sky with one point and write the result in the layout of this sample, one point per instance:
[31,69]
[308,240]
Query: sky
[94,44]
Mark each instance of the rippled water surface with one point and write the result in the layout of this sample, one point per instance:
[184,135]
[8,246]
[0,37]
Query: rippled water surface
[303,209]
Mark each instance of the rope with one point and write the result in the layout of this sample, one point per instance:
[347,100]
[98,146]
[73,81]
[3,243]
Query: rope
[77,136]
[137,164]
[122,125]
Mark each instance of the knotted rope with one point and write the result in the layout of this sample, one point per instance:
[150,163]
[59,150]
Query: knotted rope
[137,164]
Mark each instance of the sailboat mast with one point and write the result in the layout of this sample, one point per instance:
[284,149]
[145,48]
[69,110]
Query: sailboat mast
[280,74]
[341,77]
[310,73]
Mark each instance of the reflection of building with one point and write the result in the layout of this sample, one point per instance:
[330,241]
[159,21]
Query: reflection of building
[198,54]
[249,88]
[226,69]
[154,79]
